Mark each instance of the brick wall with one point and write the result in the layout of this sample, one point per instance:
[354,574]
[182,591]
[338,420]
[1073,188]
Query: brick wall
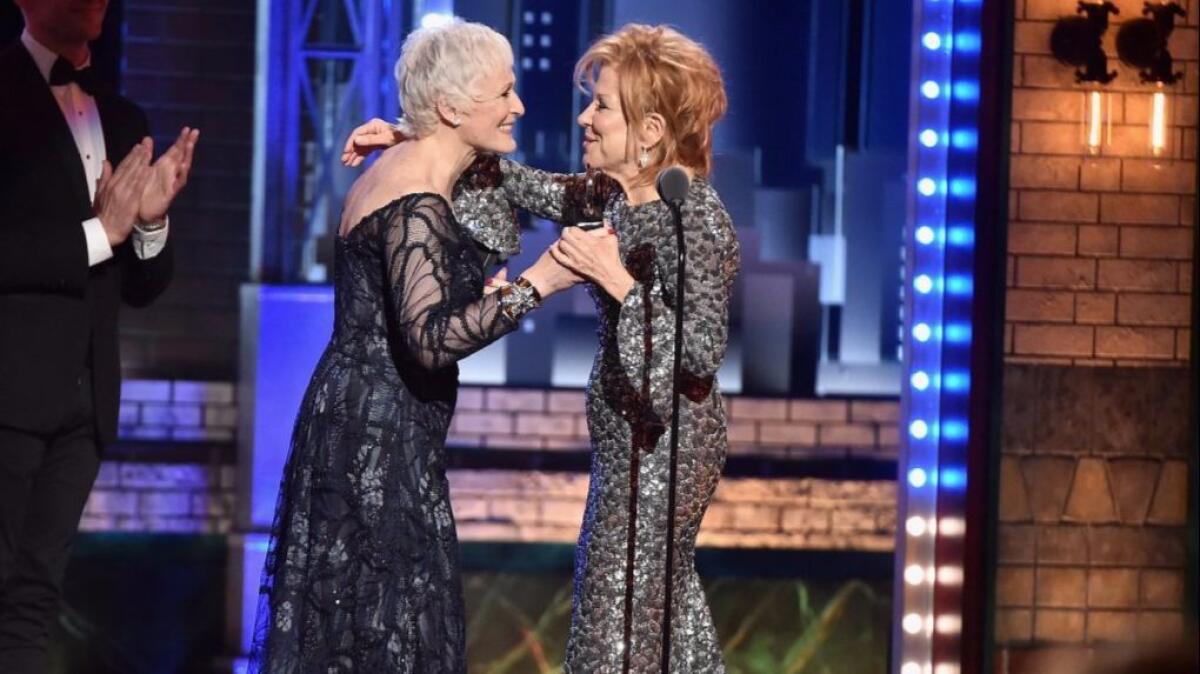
[1094,473]
[191,62]
[793,514]
[174,468]
[1100,248]
[161,497]
[180,410]
[792,429]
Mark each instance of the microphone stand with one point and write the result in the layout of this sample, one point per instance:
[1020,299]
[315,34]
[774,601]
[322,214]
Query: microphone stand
[676,370]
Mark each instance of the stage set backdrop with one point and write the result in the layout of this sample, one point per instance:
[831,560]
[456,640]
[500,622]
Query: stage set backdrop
[959,383]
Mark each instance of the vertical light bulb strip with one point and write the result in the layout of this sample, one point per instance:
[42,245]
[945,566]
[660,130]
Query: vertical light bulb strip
[926,240]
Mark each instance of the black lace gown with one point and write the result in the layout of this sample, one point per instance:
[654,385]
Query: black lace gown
[362,572]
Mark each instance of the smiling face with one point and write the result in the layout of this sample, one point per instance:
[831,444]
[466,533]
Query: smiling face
[605,130]
[487,124]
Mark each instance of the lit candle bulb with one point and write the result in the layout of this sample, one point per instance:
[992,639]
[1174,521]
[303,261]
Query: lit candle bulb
[1158,123]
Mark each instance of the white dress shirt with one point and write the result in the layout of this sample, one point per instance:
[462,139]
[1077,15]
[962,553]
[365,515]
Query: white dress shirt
[83,118]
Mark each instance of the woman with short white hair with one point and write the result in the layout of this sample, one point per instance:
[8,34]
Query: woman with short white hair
[362,571]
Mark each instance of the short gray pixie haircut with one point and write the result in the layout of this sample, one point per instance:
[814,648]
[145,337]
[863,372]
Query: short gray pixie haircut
[445,61]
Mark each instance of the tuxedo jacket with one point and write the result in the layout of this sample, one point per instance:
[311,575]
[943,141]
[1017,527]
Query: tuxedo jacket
[58,316]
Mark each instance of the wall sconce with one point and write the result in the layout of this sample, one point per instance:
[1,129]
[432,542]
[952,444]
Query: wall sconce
[1142,44]
[1075,41]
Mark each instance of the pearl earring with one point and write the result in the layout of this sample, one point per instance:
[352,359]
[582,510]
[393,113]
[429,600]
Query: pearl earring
[644,158]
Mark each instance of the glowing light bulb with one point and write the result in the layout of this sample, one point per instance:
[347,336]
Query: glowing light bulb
[912,623]
[930,89]
[926,186]
[1158,123]
[932,40]
[914,574]
[928,138]
[915,526]
[925,235]
[919,430]
[923,283]
[920,380]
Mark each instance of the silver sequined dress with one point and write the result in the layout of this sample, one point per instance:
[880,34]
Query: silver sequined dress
[628,413]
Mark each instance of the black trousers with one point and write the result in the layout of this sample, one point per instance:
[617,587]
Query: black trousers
[44,485]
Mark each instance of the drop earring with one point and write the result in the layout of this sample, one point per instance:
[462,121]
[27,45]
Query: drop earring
[644,158]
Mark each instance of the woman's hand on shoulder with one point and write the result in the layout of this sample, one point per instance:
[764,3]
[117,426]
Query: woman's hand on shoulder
[367,138]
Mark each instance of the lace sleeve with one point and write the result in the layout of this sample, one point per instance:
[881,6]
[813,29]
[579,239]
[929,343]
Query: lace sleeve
[440,316]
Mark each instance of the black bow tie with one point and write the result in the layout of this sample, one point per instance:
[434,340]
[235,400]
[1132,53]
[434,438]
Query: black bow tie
[64,73]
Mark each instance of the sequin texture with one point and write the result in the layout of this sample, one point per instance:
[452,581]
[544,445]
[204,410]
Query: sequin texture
[628,414]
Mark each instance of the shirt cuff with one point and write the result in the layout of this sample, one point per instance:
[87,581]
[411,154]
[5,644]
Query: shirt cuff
[148,244]
[98,249]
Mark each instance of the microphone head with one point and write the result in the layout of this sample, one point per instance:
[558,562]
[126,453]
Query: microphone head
[673,184]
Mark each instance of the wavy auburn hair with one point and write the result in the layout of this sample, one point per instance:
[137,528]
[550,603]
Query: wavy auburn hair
[662,70]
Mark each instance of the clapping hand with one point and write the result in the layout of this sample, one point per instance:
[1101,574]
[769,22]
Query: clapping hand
[119,192]
[168,175]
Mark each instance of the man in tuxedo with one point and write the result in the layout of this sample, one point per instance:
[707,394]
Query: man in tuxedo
[77,237]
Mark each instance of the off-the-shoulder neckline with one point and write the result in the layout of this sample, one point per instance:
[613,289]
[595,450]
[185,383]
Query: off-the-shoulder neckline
[389,205]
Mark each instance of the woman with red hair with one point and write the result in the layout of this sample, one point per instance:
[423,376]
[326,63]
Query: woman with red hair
[656,95]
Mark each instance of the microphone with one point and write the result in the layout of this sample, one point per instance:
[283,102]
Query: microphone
[673,185]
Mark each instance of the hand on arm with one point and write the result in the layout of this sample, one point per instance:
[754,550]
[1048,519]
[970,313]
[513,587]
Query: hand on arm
[549,276]
[594,254]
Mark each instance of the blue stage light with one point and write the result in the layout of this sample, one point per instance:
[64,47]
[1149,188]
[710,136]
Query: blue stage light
[939,325]
[961,236]
[953,478]
[964,139]
[956,381]
[962,187]
[919,429]
[965,90]
[958,333]
[954,429]
[967,41]
[920,380]
[959,284]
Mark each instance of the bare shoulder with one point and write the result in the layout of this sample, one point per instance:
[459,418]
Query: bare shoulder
[382,185]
